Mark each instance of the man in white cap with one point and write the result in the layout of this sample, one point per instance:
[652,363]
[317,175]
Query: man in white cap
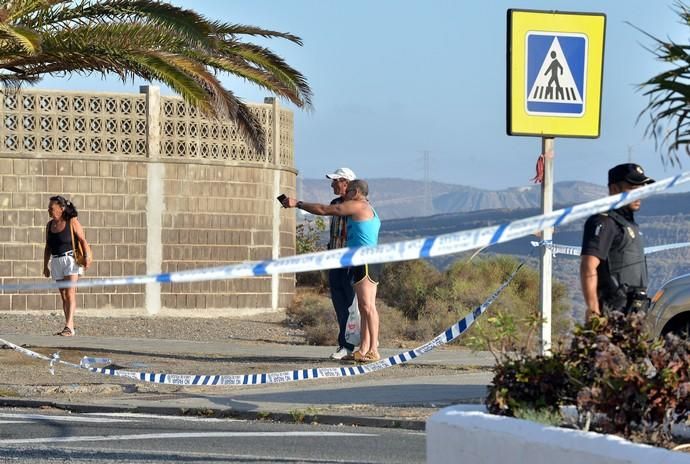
[342,292]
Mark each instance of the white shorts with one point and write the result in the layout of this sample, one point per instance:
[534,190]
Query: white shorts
[64,266]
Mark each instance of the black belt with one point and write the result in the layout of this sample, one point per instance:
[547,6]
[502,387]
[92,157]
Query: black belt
[66,253]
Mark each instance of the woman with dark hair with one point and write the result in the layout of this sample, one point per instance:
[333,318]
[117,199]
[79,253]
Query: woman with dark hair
[59,251]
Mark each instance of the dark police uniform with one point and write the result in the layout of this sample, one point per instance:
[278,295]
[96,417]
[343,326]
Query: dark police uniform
[615,239]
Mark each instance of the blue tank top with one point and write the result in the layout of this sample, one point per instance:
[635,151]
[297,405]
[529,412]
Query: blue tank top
[361,233]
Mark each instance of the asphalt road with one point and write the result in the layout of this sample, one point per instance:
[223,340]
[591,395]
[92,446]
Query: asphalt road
[55,436]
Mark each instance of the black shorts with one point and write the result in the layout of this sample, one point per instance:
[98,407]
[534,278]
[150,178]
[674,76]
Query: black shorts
[370,271]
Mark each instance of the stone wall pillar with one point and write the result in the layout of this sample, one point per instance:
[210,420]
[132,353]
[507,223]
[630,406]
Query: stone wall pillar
[155,174]
[275,250]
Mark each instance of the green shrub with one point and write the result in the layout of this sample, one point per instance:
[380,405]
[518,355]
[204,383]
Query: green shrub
[530,383]
[434,300]
[513,322]
[612,372]
[308,240]
[407,285]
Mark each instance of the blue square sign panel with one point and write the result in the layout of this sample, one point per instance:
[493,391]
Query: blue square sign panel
[556,68]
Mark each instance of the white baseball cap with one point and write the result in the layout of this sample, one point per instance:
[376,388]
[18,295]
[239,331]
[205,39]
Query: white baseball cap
[342,173]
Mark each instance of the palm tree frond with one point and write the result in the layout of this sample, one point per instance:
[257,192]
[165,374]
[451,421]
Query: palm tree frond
[26,39]
[184,22]
[267,60]
[668,107]
[240,29]
[18,9]
[149,39]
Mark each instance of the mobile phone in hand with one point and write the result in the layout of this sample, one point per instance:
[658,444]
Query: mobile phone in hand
[281,198]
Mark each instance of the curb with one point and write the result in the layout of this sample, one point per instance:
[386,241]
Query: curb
[283,417]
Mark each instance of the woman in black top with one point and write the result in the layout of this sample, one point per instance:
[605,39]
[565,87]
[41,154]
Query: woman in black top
[60,253]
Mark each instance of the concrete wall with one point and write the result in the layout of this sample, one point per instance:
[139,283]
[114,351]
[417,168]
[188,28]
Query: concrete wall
[456,435]
[159,188]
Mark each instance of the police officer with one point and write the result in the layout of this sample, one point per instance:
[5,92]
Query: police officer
[613,269]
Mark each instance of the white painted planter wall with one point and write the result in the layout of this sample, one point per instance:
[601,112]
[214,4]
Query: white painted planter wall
[457,435]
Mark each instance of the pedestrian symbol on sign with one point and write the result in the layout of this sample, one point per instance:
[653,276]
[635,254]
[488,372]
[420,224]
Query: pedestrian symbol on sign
[556,65]
[553,68]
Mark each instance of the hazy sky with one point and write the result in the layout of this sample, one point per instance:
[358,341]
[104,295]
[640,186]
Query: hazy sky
[392,78]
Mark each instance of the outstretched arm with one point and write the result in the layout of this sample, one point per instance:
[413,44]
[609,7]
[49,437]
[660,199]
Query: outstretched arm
[346,208]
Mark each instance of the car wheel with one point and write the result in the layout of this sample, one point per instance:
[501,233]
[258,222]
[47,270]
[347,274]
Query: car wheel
[680,328]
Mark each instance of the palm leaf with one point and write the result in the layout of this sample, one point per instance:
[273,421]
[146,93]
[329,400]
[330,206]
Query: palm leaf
[146,39]
[668,107]
[26,39]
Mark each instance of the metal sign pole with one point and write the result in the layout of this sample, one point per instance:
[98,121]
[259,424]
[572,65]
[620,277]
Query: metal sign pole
[555,69]
[545,261]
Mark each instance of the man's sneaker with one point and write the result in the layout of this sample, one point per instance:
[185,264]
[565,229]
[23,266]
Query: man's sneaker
[341,353]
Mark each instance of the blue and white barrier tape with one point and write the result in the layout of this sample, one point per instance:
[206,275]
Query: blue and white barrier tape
[450,334]
[558,249]
[670,246]
[398,251]
[87,362]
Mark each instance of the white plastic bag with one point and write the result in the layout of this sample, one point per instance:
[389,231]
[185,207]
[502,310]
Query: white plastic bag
[353,326]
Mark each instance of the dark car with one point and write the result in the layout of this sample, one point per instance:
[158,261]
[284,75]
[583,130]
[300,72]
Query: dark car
[670,309]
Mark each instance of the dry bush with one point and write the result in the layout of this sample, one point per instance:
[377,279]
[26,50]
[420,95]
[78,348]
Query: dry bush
[416,302]
[392,325]
[407,285]
[315,315]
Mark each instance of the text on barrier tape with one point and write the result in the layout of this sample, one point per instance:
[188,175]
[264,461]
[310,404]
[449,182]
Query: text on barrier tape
[572,250]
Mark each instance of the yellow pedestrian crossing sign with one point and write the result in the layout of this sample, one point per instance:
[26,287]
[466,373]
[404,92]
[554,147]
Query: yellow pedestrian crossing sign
[555,68]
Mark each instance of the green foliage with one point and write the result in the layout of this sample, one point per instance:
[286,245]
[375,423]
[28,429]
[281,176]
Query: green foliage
[308,240]
[669,93]
[631,386]
[542,416]
[513,322]
[308,235]
[408,285]
[436,300]
[298,415]
[150,40]
[530,383]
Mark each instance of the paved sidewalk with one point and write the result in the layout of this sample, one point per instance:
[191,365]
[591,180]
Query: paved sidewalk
[397,399]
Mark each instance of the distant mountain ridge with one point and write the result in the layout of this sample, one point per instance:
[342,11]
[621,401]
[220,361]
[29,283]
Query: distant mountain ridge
[399,198]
